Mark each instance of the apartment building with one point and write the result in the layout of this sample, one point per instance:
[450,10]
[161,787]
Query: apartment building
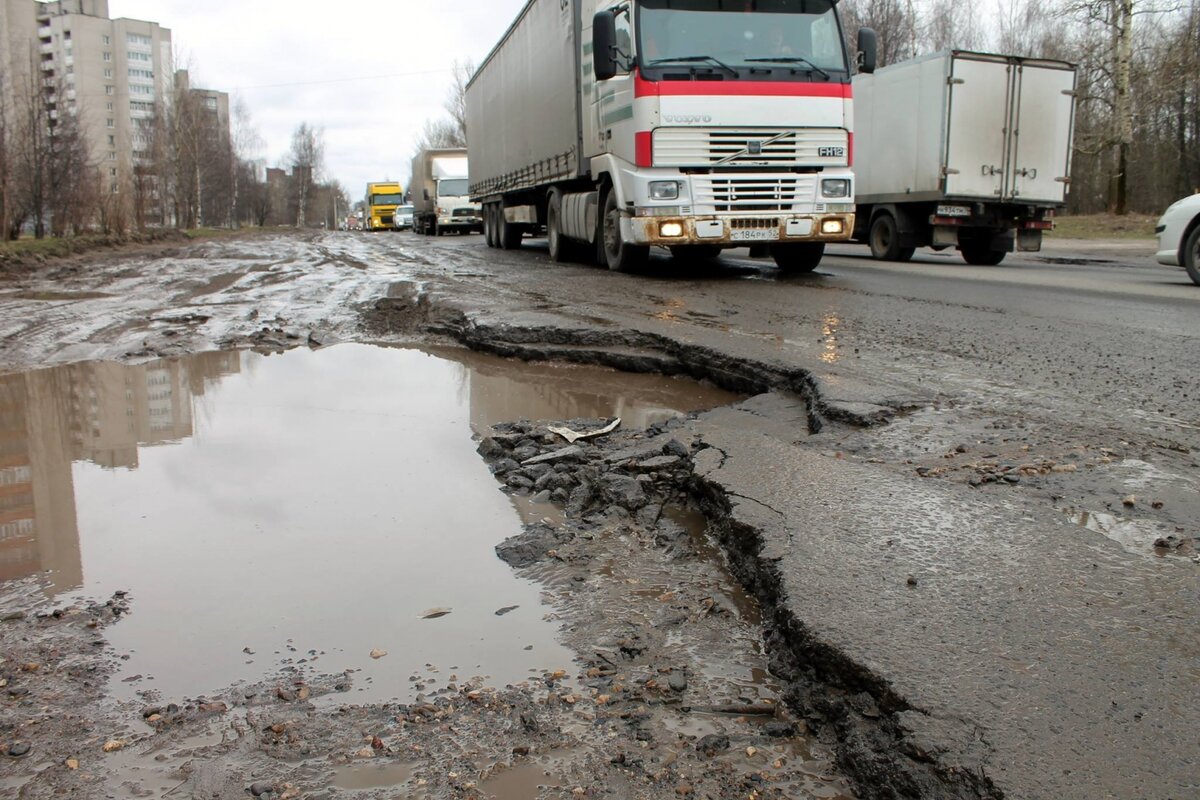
[109,72]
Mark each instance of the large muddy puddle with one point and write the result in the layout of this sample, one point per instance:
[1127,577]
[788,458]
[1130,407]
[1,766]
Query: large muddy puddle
[321,511]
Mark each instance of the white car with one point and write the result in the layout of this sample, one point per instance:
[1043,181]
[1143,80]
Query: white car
[1179,237]
[403,220]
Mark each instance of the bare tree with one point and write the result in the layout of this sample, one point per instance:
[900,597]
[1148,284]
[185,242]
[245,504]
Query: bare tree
[895,21]
[308,163]
[6,165]
[247,145]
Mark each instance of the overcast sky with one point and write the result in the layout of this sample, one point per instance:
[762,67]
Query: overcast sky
[371,80]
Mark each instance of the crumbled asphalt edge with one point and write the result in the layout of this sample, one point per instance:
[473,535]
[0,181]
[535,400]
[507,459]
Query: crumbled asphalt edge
[408,308]
[851,708]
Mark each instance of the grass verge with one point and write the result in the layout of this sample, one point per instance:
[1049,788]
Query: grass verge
[1105,226]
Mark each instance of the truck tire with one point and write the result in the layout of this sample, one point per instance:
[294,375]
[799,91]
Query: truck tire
[618,254]
[798,258]
[1191,255]
[509,234]
[487,224]
[980,254]
[885,240]
[695,252]
[562,249]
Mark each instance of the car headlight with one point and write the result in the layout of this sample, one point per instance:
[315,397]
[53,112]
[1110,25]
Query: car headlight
[835,187]
[664,190]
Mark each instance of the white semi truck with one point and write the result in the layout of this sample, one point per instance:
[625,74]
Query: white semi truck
[440,193]
[964,150]
[618,125]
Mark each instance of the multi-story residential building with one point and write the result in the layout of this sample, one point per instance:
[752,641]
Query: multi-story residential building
[108,72]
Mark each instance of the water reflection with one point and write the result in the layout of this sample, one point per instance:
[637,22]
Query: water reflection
[100,412]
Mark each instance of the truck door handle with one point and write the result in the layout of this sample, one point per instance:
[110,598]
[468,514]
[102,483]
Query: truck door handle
[990,171]
[1031,174]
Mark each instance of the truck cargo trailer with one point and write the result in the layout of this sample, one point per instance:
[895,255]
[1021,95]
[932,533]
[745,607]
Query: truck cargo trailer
[617,125]
[964,150]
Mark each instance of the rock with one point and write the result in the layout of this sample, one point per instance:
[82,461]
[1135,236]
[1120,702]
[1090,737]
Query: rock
[560,495]
[71,763]
[537,471]
[712,744]
[150,711]
[677,680]
[213,708]
[1130,501]
[491,449]
[658,464]
[19,749]
[286,695]
[506,610]
[531,546]
[505,466]
[436,613]
[259,788]
[572,453]
[516,480]
[541,497]
[623,490]
[113,745]
[525,454]
[779,729]
[912,580]
[1013,479]
[676,448]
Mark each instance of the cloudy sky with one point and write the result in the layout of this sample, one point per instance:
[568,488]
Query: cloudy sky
[371,80]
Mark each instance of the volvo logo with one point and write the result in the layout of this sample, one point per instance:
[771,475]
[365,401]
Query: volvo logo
[754,148]
[688,119]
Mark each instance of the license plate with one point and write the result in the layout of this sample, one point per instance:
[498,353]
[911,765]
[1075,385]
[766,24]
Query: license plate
[755,235]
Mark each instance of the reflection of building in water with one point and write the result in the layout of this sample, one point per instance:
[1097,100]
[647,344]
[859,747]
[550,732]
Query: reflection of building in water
[94,412]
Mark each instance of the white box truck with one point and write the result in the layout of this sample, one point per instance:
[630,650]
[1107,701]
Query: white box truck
[965,150]
[440,193]
[618,125]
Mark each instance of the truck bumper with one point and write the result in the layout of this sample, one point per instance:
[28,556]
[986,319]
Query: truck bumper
[737,231]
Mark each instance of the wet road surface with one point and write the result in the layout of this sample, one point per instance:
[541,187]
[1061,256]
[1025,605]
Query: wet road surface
[1018,543]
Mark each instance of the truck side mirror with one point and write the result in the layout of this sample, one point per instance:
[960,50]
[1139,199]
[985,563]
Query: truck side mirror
[604,42]
[868,50]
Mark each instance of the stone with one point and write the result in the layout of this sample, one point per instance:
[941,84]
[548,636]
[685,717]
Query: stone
[712,744]
[259,788]
[113,745]
[19,749]
[657,464]
[531,546]
[572,453]
[677,680]
[516,480]
[779,729]
[491,449]
[506,610]
[542,497]
[524,454]
[623,490]
[505,466]
[676,448]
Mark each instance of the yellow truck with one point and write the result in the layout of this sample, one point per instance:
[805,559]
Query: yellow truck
[380,205]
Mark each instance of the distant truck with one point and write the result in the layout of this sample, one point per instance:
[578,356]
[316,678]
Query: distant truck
[380,205]
[440,194]
[618,125]
[964,150]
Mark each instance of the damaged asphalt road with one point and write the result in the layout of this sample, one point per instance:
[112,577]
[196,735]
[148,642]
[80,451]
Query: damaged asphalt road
[964,499]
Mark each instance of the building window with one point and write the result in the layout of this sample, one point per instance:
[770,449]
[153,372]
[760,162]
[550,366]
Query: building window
[108,90]
[211,102]
[108,106]
[112,172]
[105,39]
[112,141]
[108,56]
[110,123]
[137,38]
[108,73]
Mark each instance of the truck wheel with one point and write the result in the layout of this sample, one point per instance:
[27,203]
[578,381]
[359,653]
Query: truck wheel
[885,240]
[562,249]
[979,254]
[618,254]
[695,252]
[1191,256]
[509,234]
[797,258]
[487,224]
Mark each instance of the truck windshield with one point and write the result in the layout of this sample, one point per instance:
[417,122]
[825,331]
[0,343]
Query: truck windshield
[453,187]
[729,35]
[386,199]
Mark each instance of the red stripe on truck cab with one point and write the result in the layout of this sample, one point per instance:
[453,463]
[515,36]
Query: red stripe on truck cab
[645,88]
[643,148]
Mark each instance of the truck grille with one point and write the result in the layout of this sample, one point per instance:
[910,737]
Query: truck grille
[463,212]
[753,223]
[703,147]
[751,193]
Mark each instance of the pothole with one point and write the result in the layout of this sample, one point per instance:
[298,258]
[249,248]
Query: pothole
[295,513]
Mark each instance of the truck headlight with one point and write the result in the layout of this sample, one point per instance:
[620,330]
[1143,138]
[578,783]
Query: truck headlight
[664,190]
[835,187]
[670,229]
